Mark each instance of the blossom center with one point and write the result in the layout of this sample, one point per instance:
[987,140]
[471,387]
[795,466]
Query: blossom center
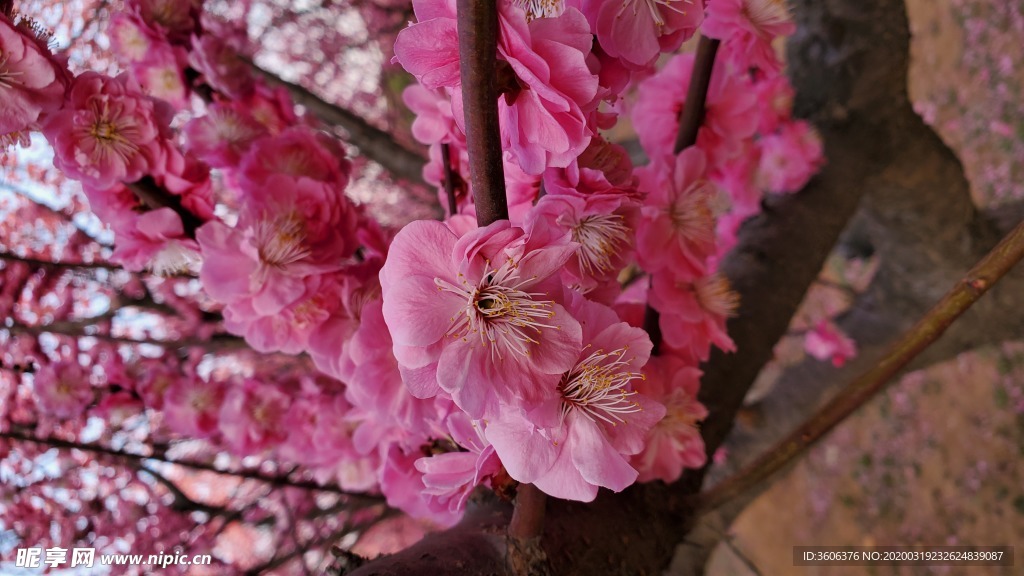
[765,13]
[280,241]
[692,216]
[541,8]
[499,311]
[6,75]
[600,237]
[652,7]
[598,387]
[714,294]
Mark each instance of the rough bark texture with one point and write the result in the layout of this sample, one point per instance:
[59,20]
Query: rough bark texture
[849,64]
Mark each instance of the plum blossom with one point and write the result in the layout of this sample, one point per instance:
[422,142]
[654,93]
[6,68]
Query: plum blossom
[548,88]
[693,314]
[450,477]
[675,442]
[62,389]
[731,112]
[252,416]
[601,224]
[478,316]
[32,84]
[636,31]
[825,341]
[747,28]
[789,157]
[581,439]
[108,131]
[678,229]
[192,406]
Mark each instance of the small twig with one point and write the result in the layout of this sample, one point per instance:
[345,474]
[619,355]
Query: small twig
[692,115]
[478,53]
[927,330]
[449,178]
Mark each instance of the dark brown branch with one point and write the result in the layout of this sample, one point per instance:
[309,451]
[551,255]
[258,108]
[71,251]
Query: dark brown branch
[374,143]
[978,281]
[55,265]
[449,179]
[526,556]
[478,53]
[79,330]
[692,115]
[155,198]
[256,475]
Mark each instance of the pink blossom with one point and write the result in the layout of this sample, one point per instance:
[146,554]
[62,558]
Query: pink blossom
[161,75]
[192,407]
[223,135]
[402,484]
[543,74]
[108,132]
[296,153]
[747,28]
[693,314]
[217,55]
[678,219]
[675,442]
[827,342]
[155,235]
[434,122]
[62,389]
[581,438]
[478,316]
[32,85]
[731,112]
[252,416]
[601,224]
[317,431]
[789,157]
[450,477]
[638,30]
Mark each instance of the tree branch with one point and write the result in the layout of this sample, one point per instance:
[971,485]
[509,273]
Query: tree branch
[155,198]
[373,142]
[478,53]
[933,325]
[256,475]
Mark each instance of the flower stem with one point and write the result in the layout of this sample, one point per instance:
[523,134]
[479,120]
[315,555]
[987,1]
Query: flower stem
[927,330]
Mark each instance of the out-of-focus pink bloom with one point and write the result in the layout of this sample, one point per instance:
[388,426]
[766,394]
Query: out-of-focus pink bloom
[731,112]
[827,342]
[252,417]
[32,85]
[130,38]
[434,122]
[192,407]
[318,433]
[155,233]
[224,135]
[789,157]
[477,316]
[582,438]
[161,75]
[636,31]
[217,55]
[693,314]
[675,442]
[677,233]
[62,389]
[296,153]
[171,18]
[108,131]
[747,28]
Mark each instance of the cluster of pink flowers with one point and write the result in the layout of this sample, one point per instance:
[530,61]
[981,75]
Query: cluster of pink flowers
[452,355]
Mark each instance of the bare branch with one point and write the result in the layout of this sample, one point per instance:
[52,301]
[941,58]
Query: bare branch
[478,53]
[279,481]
